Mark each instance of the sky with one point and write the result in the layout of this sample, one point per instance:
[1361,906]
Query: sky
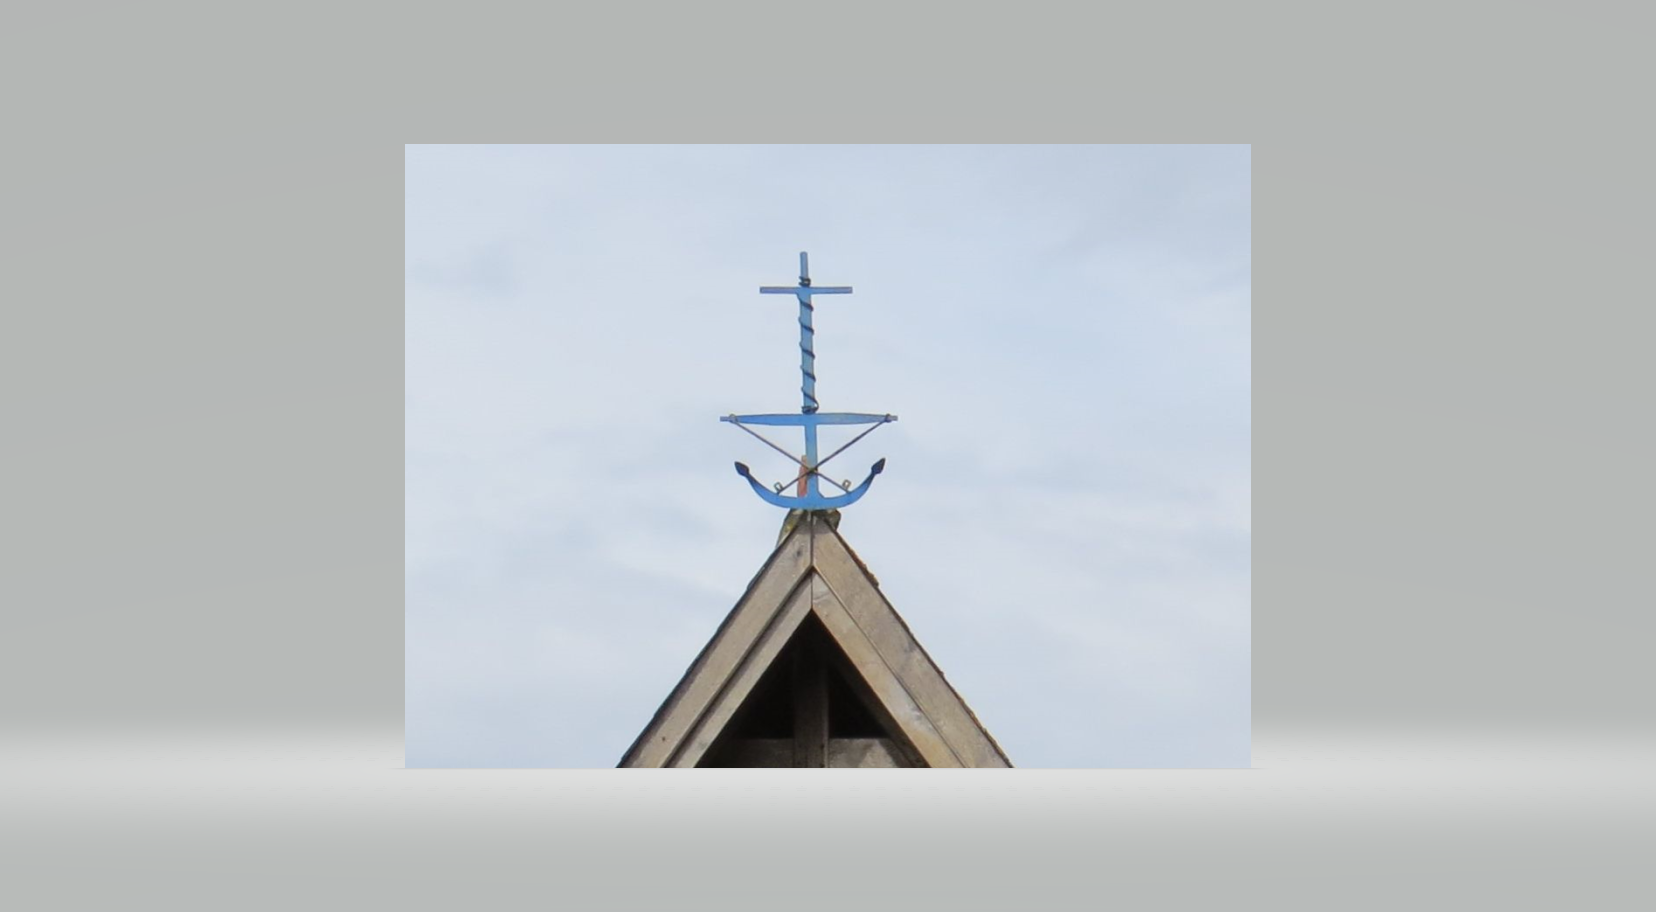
[1064,519]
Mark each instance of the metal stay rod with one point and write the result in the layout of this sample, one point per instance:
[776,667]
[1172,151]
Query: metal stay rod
[795,459]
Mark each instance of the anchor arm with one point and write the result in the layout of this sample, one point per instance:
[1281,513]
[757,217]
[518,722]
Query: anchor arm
[811,501]
[742,470]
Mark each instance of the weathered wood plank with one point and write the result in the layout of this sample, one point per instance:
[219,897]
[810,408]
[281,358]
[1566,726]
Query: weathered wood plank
[762,752]
[902,708]
[864,753]
[810,702]
[901,653]
[742,680]
[840,665]
[735,637]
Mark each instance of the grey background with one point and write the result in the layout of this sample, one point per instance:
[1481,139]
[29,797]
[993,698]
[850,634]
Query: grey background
[202,358]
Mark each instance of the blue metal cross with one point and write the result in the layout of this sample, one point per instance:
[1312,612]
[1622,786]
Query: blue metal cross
[808,495]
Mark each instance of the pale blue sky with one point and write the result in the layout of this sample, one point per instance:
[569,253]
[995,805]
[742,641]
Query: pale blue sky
[1064,519]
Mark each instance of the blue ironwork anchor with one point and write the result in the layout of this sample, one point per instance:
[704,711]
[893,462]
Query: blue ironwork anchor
[808,495]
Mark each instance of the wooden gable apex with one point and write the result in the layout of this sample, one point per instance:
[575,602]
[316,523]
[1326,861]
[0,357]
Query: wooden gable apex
[813,584]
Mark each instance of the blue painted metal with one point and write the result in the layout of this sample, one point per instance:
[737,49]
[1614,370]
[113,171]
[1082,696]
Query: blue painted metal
[791,420]
[812,500]
[809,419]
[807,335]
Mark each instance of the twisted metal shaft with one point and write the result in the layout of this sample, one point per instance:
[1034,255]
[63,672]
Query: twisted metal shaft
[807,356]
[807,334]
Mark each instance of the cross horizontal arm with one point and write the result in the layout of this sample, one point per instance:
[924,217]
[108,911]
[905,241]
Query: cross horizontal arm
[814,418]
[805,289]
